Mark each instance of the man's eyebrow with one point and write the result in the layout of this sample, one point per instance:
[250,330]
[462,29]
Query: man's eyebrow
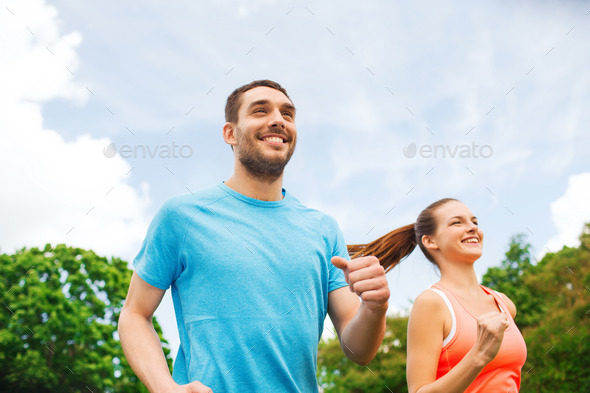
[290,107]
[266,102]
[259,102]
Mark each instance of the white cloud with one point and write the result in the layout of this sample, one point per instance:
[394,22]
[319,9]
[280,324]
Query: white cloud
[570,212]
[56,190]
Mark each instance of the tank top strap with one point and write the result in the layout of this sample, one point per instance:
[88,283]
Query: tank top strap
[498,298]
[449,300]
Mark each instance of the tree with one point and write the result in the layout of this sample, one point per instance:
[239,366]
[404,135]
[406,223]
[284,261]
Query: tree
[58,331]
[559,344]
[552,298]
[509,278]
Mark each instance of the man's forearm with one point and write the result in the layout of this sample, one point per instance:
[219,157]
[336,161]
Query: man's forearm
[143,351]
[364,334]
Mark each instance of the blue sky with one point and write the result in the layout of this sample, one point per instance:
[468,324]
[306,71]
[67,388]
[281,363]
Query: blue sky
[503,89]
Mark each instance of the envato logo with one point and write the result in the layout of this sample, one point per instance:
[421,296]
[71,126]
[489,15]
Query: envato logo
[451,151]
[147,151]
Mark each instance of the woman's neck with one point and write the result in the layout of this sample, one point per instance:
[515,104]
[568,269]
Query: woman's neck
[459,278]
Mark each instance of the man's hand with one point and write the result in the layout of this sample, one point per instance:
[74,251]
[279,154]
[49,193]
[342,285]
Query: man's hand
[366,277]
[193,387]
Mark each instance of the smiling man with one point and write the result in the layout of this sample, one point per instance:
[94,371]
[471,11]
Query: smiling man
[253,272]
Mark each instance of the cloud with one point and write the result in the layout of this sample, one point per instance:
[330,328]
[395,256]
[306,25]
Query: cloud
[53,190]
[570,212]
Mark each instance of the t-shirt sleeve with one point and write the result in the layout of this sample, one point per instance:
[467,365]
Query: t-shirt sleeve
[336,276]
[158,262]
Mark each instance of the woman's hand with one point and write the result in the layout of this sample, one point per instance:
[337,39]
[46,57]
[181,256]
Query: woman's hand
[490,333]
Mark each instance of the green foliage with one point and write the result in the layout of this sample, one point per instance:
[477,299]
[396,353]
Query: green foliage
[58,331]
[559,345]
[509,278]
[553,301]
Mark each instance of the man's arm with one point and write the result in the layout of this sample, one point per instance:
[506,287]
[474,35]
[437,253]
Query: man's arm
[141,343]
[360,327]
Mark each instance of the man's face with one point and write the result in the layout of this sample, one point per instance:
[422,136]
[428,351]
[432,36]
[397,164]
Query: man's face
[265,133]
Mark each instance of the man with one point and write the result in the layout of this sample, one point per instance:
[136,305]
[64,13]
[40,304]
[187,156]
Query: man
[251,273]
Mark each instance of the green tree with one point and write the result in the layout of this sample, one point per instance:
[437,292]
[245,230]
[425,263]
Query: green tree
[559,344]
[58,331]
[510,278]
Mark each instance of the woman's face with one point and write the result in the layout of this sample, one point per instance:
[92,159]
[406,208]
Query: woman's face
[457,237]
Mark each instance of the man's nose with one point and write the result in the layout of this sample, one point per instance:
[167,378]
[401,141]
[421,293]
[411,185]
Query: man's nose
[276,119]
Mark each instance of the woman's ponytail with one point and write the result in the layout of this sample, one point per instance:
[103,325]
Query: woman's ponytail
[390,249]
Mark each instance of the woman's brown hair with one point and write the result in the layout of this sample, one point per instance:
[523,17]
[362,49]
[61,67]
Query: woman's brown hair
[394,246]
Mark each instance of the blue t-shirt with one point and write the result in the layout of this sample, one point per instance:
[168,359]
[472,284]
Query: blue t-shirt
[250,282]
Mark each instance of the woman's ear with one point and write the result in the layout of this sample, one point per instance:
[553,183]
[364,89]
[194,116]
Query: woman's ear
[429,242]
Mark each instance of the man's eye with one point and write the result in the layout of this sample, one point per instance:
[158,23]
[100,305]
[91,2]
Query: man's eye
[261,110]
[288,114]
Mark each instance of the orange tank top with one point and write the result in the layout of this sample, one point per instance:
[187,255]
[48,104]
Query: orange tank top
[502,374]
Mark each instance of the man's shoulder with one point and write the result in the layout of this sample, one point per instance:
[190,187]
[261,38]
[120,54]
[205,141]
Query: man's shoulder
[321,217]
[193,200]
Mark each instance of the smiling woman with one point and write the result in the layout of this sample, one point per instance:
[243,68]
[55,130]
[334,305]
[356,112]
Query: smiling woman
[461,335]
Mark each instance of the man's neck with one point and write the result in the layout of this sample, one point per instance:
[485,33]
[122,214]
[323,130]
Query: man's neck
[244,183]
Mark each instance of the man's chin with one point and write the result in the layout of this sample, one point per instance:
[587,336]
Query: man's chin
[268,170]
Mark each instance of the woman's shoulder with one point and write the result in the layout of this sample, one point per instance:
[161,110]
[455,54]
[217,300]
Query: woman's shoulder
[428,301]
[430,318]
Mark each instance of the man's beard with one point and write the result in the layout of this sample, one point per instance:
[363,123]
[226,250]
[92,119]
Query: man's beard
[259,166]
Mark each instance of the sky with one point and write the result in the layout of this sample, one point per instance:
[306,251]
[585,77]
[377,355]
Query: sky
[109,108]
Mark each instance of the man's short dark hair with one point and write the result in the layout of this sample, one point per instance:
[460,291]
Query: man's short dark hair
[234,100]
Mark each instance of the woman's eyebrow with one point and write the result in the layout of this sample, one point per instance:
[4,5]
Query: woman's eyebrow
[460,217]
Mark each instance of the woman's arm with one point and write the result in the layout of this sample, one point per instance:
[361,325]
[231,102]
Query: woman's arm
[425,335]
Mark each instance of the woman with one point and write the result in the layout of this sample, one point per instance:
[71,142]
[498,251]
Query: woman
[461,335]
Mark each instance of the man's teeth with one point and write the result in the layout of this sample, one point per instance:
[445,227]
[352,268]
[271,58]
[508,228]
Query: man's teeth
[472,240]
[273,139]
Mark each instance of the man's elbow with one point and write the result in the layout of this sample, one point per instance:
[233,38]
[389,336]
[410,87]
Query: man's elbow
[125,320]
[121,323]
[363,362]
[359,359]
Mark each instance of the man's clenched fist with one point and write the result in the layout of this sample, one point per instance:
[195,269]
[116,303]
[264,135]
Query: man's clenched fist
[366,277]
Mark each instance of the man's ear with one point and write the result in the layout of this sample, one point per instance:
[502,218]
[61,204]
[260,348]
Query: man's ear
[429,242]
[229,134]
